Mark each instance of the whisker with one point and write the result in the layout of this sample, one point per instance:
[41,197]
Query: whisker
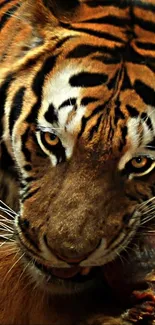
[5,236]
[5,206]
[12,214]
[5,219]
[148,219]
[148,210]
[146,227]
[122,258]
[10,249]
[4,226]
[146,202]
[15,263]
[7,242]
[4,229]
[24,270]
[7,211]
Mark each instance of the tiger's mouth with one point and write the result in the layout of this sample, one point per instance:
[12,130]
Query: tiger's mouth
[73,274]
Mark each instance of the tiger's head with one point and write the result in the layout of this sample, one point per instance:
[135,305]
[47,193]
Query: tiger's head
[82,126]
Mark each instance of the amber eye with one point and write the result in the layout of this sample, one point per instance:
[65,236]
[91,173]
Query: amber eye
[140,165]
[51,139]
[139,162]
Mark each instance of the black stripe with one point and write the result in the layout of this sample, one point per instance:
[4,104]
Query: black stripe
[100,34]
[95,128]
[126,84]
[83,125]
[87,100]
[145,92]
[88,79]
[97,110]
[29,195]
[146,119]
[111,130]
[132,110]
[67,6]
[68,102]
[123,138]
[108,59]
[4,3]
[122,4]
[27,167]
[50,115]
[29,179]
[113,81]
[145,24]
[37,86]
[151,145]
[146,46]
[8,15]
[84,50]
[106,3]
[145,5]
[3,95]
[131,56]
[28,234]
[25,150]
[110,20]
[16,107]
[7,163]
[62,41]
[118,113]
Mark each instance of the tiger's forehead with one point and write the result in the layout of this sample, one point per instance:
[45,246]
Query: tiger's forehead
[61,106]
[66,110]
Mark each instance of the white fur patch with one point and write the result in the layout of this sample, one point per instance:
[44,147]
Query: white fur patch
[138,143]
[58,90]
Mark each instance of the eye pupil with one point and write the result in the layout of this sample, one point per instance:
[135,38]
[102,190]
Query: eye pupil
[138,160]
[52,136]
[51,139]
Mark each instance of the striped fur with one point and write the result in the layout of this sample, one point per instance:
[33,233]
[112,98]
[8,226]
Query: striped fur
[77,98]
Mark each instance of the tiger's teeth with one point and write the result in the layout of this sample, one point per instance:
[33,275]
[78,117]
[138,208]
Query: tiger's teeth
[85,271]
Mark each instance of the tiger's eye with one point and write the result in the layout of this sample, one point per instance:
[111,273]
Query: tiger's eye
[51,139]
[139,162]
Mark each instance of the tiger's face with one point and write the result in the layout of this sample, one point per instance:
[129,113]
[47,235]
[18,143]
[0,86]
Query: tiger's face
[84,147]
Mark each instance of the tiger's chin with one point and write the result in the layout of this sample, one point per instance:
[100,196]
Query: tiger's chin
[62,281]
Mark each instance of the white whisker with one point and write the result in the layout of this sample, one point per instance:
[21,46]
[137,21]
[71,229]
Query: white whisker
[148,219]
[146,202]
[5,219]
[24,270]
[4,226]
[148,212]
[7,210]
[15,263]
[6,236]
[7,207]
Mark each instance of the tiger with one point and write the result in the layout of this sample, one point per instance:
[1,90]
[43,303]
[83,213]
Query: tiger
[77,141]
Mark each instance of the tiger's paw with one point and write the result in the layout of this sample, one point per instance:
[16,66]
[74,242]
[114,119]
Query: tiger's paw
[144,310]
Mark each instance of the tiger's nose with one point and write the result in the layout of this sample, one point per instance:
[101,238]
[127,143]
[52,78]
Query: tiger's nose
[75,258]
